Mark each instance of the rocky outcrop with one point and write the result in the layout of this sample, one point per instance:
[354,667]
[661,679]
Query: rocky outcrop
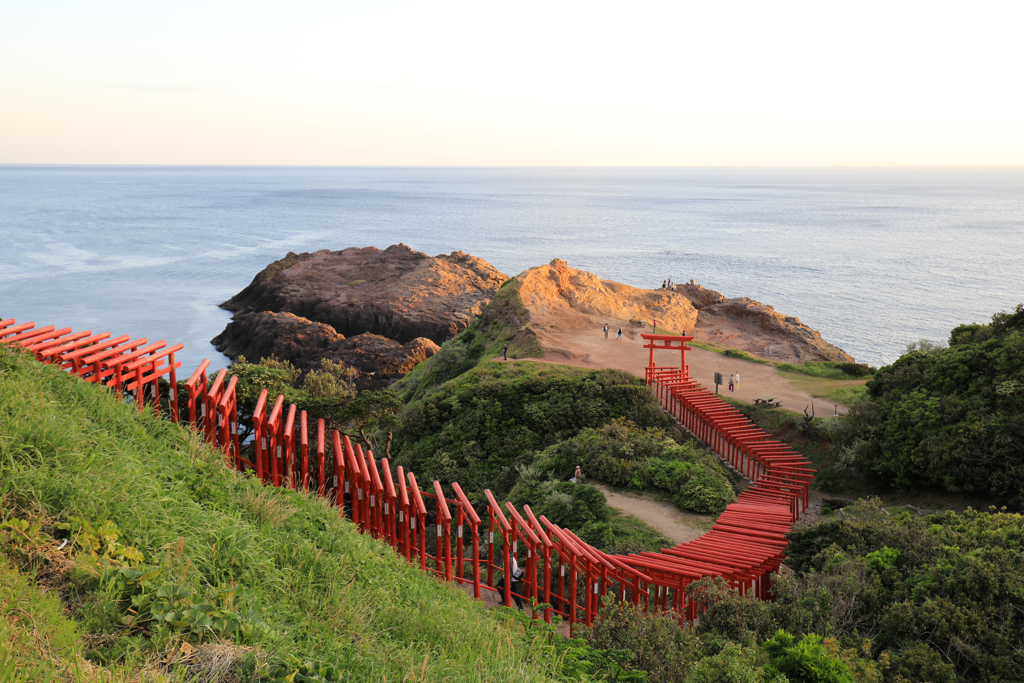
[379,311]
[749,325]
[396,293]
[378,360]
[581,298]
[383,311]
[576,299]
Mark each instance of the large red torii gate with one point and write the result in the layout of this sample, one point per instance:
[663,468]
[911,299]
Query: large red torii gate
[665,342]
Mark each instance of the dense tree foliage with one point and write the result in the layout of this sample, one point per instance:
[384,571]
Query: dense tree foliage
[947,418]
[623,455]
[942,593]
[872,596]
[479,427]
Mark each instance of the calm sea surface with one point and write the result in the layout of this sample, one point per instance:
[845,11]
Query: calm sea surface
[872,258]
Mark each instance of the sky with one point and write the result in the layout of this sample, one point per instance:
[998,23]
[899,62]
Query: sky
[503,84]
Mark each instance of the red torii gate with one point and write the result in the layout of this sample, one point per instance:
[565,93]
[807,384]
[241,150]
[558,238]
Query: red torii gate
[665,342]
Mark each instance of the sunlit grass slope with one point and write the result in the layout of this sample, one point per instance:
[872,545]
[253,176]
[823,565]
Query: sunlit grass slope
[171,548]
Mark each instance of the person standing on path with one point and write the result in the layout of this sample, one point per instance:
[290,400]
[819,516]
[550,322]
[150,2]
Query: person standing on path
[504,352]
[732,382]
[619,335]
[736,377]
[654,329]
[513,587]
[606,330]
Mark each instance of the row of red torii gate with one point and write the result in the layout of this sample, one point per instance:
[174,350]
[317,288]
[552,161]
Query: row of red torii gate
[436,527]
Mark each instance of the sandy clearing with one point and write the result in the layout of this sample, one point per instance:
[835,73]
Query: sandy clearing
[675,525]
[587,347]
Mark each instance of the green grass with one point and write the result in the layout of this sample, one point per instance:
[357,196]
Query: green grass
[846,395]
[727,352]
[312,593]
[828,369]
[743,355]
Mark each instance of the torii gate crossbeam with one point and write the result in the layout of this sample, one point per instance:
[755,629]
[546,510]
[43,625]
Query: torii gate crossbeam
[667,342]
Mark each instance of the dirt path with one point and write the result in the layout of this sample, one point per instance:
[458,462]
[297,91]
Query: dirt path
[675,525]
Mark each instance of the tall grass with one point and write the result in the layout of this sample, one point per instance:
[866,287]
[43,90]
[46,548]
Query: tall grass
[323,595]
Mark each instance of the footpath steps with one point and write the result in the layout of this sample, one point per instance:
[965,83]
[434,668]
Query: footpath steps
[442,532]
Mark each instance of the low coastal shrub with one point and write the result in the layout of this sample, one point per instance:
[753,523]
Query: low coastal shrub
[950,419]
[624,455]
[829,369]
[479,427]
[743,355]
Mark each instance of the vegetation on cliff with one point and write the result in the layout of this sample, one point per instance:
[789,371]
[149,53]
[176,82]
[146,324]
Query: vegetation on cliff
[950,419]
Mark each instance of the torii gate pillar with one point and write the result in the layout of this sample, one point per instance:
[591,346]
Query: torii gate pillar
[668,342]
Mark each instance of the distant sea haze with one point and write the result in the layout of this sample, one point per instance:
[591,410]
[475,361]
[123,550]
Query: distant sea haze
[873,258]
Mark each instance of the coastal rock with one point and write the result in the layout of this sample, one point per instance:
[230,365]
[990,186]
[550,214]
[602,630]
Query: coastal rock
[287,336]
[572,299]
[749,325]
[581,298]
[378,360]
[396,293]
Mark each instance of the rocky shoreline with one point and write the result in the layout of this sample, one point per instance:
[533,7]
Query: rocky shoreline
[383,311]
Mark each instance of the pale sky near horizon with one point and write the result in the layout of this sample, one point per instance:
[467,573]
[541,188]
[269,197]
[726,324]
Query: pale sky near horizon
[531,83]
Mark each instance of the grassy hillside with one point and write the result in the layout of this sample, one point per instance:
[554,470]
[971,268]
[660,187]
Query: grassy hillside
[173,561]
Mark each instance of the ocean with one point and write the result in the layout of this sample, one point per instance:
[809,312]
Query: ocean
[872,258]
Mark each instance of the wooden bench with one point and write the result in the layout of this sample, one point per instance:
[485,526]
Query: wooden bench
[767,401]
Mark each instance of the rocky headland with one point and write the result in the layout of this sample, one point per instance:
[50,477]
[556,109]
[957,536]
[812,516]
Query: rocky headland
[378,311]
[562,300]
[383,311]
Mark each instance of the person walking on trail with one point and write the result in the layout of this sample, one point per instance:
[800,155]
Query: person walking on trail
[732,382]
[654,328]
[736,379]
[619,334]
[517,574]
[606,330]
[504,352]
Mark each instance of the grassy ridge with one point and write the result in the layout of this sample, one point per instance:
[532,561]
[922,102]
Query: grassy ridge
[274,578]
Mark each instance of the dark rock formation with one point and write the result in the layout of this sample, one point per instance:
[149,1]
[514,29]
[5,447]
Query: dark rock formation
[302,342]
[397,293]
[749,325]
[380,312]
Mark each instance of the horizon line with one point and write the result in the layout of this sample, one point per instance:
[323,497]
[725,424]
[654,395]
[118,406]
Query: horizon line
[843,165]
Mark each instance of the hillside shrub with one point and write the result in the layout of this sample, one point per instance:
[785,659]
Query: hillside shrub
[622,454]
[477,428]
[933,593]
[947,418]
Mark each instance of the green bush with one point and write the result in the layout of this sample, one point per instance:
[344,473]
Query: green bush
[623,455]
[806,661]
[705,493]
[497,416]
[950,581]
[947,418]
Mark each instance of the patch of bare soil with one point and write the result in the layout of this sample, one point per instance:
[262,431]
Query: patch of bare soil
[675,525]
[581,342]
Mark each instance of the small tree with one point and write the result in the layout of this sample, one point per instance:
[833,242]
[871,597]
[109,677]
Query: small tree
[373,414]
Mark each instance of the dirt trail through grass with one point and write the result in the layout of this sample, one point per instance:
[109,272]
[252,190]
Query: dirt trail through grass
[677,526]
